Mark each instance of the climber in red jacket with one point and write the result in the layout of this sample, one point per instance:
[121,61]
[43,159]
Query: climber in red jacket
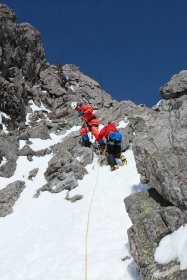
[91,122]
[114,139]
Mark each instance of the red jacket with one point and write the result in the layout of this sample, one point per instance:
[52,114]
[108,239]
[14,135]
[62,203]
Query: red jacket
[105,131]
[88,109]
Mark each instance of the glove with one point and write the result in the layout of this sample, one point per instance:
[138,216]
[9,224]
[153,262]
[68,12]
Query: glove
[81,113]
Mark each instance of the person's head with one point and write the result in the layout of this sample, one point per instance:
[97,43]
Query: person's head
[74,105]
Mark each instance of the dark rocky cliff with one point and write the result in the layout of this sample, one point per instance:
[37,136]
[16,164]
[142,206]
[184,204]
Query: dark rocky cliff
[21,59]
[157,135]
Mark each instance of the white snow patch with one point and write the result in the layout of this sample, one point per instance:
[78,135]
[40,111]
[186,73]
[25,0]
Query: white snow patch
[72,88]
[27,122]
[44,108]
[5,116]
[38,144]
[79,158]
[158,103]
[4,160]
[173,246]
[34,107]
[24,166]
[123,123]
[5,129]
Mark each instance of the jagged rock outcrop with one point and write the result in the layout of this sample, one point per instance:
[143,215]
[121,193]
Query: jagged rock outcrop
[39,131]
[33,173]
[27,81]
[8,197]
[21,58]
[8,150]
[152,218]
[79,88]
[87,89]
[160,146]
[67,165]
[176,87]
[6,13]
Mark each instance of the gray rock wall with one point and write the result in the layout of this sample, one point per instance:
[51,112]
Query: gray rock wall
[160,149]
[8,197]
[158,137]
[176,87]
[21,58]
[153,218]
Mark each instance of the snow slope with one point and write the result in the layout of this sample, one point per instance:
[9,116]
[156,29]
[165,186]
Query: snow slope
[45,237]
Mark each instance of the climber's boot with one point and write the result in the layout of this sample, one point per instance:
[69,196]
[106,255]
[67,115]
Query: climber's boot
[114,167]
[123,159]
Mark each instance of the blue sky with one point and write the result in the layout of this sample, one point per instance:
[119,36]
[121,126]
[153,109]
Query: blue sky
[130,47]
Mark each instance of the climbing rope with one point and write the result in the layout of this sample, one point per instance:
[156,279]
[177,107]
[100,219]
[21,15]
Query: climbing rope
[88,222]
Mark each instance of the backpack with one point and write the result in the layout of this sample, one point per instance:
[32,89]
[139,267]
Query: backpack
[115,136]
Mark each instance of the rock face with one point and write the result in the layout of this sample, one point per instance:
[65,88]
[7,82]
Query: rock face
[8,150]
[152,218]
[8,197]
[34,104]
[160,146]
[21,58]
[176,87]
[27,81]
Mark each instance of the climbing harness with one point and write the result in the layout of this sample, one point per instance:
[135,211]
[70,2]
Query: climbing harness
[88,222]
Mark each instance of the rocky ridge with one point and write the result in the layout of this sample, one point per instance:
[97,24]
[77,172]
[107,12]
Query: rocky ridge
[157,136]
